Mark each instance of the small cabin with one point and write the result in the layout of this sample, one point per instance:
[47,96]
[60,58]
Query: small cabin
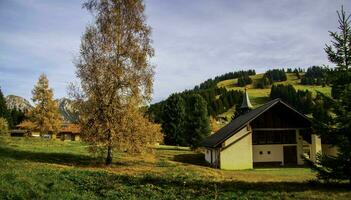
[69,131]
[19,133]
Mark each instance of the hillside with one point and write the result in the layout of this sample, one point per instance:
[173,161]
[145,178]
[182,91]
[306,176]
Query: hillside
[261,96]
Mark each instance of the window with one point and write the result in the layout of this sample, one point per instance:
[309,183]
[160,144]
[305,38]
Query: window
[270,137]
[268,152]
[277,138]
[261,152]
[274,137]
[262,138]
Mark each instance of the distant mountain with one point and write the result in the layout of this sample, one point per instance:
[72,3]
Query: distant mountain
[65,106]
[16,102]
[66,110]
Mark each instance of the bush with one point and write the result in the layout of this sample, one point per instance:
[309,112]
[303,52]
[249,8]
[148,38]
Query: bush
[4,126]
[244,80]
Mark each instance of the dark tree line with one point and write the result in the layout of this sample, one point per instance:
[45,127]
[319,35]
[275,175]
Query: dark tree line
[296,70]
[13,116]
[196,105]
[185,120]
[302,100]
[271,76]
[316,75]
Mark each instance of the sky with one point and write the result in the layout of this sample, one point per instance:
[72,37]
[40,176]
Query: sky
[193,40]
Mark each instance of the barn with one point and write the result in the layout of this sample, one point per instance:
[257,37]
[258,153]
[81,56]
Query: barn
[274,134]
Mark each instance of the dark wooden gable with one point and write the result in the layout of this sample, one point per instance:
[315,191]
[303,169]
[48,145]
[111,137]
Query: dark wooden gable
[280,116]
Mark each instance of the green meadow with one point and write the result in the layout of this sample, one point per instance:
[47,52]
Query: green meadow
[36,168]
[260,96]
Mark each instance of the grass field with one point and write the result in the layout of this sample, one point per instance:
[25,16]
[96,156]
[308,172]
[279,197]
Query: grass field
[261,96]
[35,168]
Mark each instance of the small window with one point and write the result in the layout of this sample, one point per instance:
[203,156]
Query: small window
[268,152]
[261,152]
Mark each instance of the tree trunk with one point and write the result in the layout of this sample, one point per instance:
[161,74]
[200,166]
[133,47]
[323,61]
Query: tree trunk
[109,155]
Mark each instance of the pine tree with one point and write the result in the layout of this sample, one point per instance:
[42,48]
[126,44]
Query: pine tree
[45,114]
[17,116]
[197,121]
[339,53]
[339,127]
[3,106]
[173,120]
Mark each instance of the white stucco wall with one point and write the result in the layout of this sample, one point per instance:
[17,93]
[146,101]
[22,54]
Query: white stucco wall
[276,153]
[236,152]
[236,136]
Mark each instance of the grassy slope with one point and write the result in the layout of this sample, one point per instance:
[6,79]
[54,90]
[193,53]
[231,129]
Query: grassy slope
[261,96]
[33,168]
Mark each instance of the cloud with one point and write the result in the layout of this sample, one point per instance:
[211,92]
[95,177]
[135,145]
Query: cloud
[194,40]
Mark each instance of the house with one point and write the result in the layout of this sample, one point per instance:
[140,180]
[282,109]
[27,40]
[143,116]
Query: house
[69,131]
[29,127]
[19,133]
[273,134]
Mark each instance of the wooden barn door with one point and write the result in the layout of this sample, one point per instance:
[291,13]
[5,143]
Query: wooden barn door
[290,155]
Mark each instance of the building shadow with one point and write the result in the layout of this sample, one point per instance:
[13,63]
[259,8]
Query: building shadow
[193,158]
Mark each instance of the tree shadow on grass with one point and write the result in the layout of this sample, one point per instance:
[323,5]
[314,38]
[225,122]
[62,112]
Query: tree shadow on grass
[44,157]
[232,186]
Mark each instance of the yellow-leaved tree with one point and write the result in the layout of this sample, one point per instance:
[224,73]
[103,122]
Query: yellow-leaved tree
[45,114]
[116,79]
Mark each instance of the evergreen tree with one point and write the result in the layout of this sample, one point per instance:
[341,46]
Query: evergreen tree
[173,120]
[263,83]
[45,114]
[17,116]
[197,121]
[339,53]
[3,106]
[339,127]
[297,74]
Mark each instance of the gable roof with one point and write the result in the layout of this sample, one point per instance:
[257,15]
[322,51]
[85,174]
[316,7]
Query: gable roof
[238,123]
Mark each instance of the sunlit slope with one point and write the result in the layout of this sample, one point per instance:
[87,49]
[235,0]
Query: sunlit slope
[261,96]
